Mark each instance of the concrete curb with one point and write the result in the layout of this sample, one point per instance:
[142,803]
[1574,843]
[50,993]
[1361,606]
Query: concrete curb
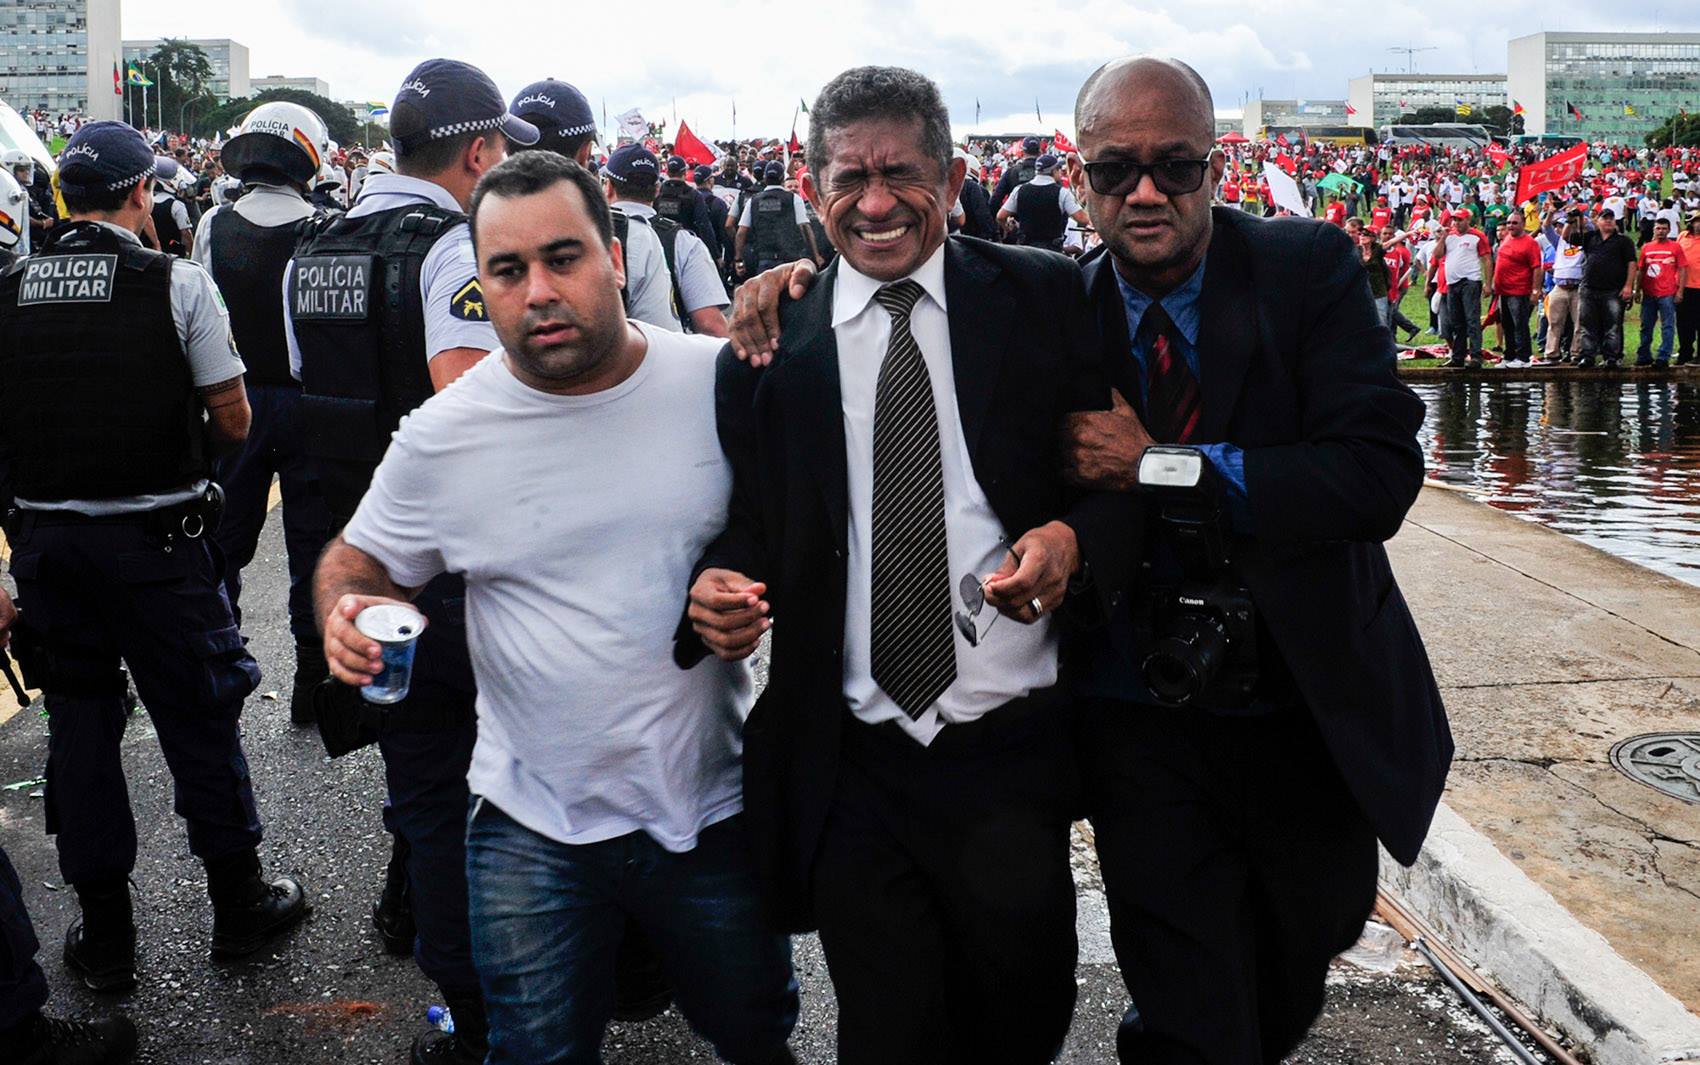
[1483,906]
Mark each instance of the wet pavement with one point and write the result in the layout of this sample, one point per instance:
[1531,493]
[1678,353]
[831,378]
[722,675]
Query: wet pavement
[328,993]
[1615,464]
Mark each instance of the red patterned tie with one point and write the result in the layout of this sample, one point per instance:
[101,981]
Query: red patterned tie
[1172,402]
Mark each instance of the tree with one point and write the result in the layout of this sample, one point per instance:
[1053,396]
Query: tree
[182,76]
[1680,130]
[1500,121]
[343,129]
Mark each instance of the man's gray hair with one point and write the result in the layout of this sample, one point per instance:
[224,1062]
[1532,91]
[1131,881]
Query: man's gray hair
[862,93]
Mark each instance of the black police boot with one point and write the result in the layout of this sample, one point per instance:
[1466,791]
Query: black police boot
[248,911]
[641,990]
[467,1044]
[392,914]
[100,945]
[310,672]
[50,1041]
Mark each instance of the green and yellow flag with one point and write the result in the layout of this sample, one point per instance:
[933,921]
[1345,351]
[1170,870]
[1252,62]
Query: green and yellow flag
[136,77]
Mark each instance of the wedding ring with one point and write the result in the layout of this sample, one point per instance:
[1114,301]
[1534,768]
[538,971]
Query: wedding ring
[1038,607]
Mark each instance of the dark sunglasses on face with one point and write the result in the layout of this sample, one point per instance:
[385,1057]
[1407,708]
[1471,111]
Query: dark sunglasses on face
[1118,177]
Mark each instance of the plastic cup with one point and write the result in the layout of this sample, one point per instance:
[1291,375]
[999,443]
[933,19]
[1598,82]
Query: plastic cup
[395,628]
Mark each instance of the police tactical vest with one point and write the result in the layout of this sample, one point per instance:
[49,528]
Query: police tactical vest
[667,232]
[170,233]
[248,261]
[676,202]
[1026,169]
[773,225]
[359,321]
[1039,211]
[96,398]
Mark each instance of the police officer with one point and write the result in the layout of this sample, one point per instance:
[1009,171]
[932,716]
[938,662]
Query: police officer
[1023,170]
[172,228]
[111,509]
[1037,213]
[676,200]
[774,227]
[14,220]
[36,185]
[669,274]
[277,150]
[383,307]
[717,211]
[30,1038]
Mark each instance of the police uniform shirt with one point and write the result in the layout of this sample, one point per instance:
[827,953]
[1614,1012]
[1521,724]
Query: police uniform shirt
[448,279]
[265,205]
[203,327]
[699,282]
[796,202]
[649,291]
[179,213]
[1065,200]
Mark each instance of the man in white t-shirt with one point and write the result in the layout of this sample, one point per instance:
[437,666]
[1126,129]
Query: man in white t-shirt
[1467,256]
[574,478]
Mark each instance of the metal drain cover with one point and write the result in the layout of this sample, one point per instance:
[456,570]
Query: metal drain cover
[1669,761]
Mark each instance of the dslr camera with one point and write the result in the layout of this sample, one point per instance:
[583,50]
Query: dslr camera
[1199,643]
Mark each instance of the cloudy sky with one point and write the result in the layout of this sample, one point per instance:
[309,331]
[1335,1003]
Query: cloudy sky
[698,57]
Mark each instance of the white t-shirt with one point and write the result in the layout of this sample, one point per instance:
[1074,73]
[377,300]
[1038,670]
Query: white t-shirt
[1463,255]
[587,730]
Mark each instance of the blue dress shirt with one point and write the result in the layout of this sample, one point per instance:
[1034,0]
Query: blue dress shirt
[1182,307]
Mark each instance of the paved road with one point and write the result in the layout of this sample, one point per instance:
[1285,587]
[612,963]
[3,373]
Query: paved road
[330,994]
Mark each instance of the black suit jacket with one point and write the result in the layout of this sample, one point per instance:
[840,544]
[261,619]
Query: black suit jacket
[1025,352]
[1296,370]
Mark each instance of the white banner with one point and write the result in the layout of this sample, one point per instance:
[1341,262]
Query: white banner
[1284,191]
[632,124]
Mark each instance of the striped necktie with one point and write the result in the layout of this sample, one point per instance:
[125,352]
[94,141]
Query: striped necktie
[912,652]
[1172,401]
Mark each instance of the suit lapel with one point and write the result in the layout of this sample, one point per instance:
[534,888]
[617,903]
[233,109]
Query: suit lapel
[1227,333]
[1106,298]
[979,331]
[810,379]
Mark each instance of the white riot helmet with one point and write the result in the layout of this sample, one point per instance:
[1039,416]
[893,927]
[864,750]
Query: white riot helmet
[12,159]
[284,138]
[380,163]
[14,211]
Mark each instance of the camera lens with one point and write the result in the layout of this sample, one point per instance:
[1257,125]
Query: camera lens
[1184,662]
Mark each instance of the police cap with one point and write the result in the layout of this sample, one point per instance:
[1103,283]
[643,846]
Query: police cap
[445,98]
[106,156]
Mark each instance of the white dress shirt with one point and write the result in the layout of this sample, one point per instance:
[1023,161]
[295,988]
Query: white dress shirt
[1012,659]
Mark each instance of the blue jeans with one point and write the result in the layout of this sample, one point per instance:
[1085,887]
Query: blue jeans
[1661,309]
[546,924]
[1514,314]
[1464,318]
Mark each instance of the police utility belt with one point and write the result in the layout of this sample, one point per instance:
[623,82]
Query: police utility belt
[191,519]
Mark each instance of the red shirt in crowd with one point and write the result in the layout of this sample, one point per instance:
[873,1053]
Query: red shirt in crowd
[1518,265]
[1660,260]
[1380,217]
[1335,215]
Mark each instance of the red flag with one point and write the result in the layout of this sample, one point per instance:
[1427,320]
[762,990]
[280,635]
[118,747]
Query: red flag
[1516,108]
[1062,143]
[117,83]
[796,145]
[1281,139]
[1286,164]
[687,147]
[1551,173]
[1350,110]
[1499,155]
